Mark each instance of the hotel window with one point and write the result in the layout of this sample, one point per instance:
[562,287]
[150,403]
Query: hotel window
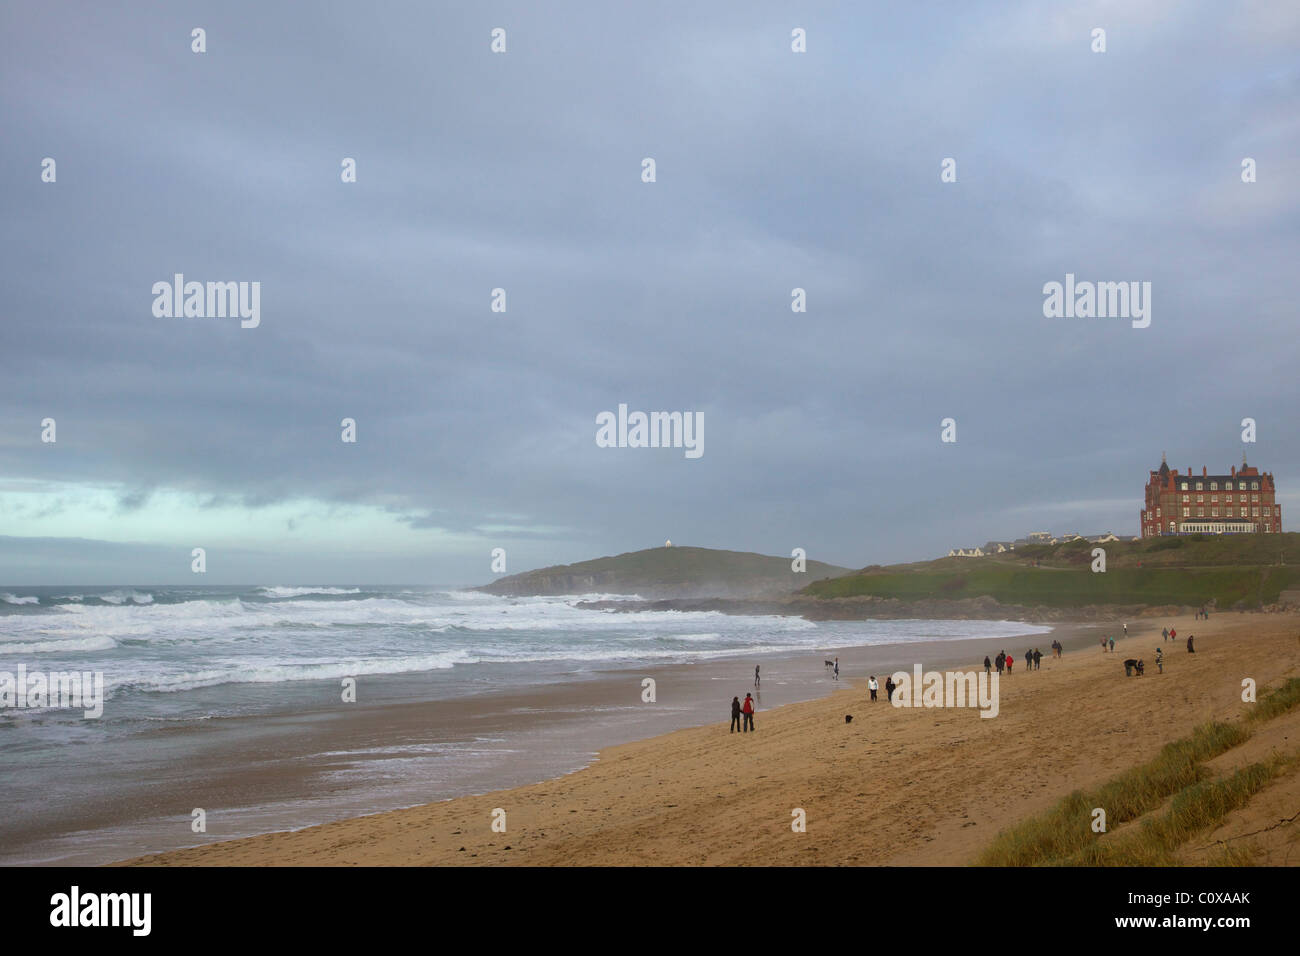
[1214,512]
[1200,512]
[1254,486]
[1185,512]
[1184,488]
[1186,498]
[1214,499]
[1200,499]
[1214,486]
[1243,512]
[1200,486]
[1254,512]
[1254,497]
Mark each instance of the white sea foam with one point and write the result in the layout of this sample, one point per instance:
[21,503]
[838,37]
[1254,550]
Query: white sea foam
[133,597]
[14,599]
[284,592]
[66,645]
[279,672]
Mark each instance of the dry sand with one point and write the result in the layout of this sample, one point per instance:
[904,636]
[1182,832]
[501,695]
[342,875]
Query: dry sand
[897,786]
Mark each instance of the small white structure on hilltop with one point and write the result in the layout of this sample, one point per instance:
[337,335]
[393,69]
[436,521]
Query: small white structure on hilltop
[668,544]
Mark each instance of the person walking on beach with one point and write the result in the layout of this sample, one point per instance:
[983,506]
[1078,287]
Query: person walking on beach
[1190,649]
[1173,635]
[1038,659]
[1164,634]
[755,675]
[1160,659]
[889,687]
[735,714]
[988,666]
[1010,660]
[837,668]
[873,686]
[1112,645]
[1103,645]
[1001,661]
[748,710]
[1126,630]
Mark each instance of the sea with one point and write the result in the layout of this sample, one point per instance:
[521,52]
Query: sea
[233,701]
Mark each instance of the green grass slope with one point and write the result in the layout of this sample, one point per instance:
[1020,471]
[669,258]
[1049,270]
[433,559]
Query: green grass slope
[1245,571]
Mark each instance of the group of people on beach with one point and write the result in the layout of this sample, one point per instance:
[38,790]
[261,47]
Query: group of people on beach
[873,685]
[742,713]
[1033,660]
[1138,666]
[745,710]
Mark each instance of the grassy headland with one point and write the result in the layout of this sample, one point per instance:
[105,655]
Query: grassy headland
[676,572]
[1239,571]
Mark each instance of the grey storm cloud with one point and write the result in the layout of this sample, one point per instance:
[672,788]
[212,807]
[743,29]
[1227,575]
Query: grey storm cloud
[775,170]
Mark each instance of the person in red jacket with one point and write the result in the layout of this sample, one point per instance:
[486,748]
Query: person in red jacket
[748,711]
[1010,660]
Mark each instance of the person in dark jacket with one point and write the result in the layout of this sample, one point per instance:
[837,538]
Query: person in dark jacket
[988,665]
[735,714]
[1038,659]
[889,687]
[1190,649]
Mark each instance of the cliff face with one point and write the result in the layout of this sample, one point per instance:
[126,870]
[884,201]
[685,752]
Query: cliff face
[662,573]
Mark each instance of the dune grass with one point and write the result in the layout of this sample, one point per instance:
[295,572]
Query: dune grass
[1066,829]
[1063,836]
[1276,702]
[1199,807]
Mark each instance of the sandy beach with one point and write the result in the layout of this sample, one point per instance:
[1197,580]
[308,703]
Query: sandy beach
[896,786]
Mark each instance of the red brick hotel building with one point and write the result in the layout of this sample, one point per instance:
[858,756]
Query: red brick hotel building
[1237,503]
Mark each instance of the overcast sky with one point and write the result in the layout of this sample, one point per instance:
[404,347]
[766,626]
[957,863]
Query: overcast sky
[523,171]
